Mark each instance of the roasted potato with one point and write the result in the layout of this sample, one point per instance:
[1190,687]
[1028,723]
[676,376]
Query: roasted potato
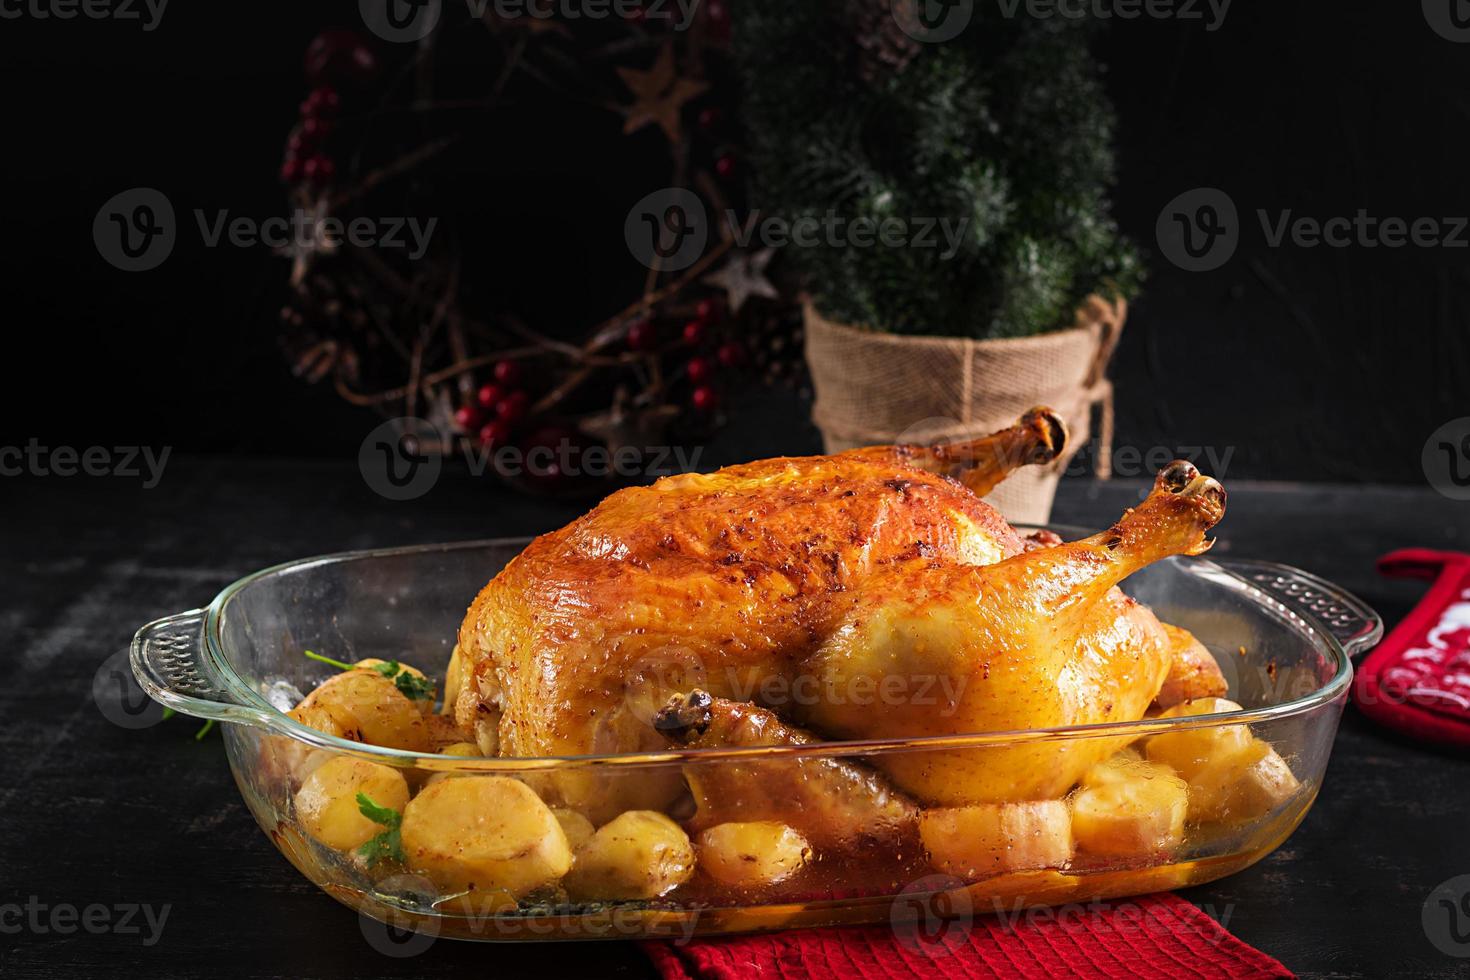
[1126,807]
[639,854]
[486,835]
[980,840]
[1232,774]
[327,806]
[453,681]
[579,829]
[1241,786]
[364,706]
[423,687]
[1188,752]
[463,750]
[761,852]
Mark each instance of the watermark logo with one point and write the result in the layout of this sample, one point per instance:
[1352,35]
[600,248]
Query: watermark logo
[1450,19]
[401,21]
[667,229]
[932,21]
[933,915]
[148,13]
[135,230]
[657,676]
[1446,459]
[1446,917]
[1212,12]
[1198,230]
[34,459]
[117,695]
[400,934]
[40,918]
[396,459]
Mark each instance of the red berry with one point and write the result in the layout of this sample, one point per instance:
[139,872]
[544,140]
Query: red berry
[710,117]
[314,129]
[496,432]
[700,369]
[719,21]
[705,398]
[468,418]
[507,372]
[320,102]
[732,355]
[291,170]
[339,56]
[488,395]
[725,166]
[693,332]
[643,335]
[512,406]
[709,311]
[319,169]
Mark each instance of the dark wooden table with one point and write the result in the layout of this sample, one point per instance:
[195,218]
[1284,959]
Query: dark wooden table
[94,817]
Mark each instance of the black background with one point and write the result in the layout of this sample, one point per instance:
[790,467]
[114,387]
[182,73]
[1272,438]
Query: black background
[1322,363]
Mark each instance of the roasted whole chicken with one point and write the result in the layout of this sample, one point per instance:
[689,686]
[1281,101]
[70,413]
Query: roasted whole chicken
[871,594]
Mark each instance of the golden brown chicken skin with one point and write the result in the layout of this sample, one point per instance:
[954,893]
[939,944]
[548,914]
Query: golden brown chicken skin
[734,582]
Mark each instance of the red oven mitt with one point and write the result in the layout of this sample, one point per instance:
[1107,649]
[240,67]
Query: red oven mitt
[1156,936]
[1417,680]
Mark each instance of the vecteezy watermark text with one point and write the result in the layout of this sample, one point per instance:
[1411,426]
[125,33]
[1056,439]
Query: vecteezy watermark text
[1212,12]
[305,229]
[147,12]
[943,20]
[136,230]
[1200,229]
[410,21]
[64,919]
[668,229]
[399,461]
[35,459]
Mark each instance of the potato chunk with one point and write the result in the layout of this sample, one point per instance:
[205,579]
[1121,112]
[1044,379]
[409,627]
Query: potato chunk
[1232,774]
[364,706]
[487,835]
[762,852]
[579,829]
[639,854]
[1242,785]
[327,807]
[974,841]
[460,750]
[425,704]
[1129,808]
[1190,751]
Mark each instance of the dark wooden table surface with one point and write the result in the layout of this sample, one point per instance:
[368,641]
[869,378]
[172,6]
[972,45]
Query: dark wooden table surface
[95,818]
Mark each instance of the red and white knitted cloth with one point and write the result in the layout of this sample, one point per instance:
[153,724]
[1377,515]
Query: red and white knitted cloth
[1417,681]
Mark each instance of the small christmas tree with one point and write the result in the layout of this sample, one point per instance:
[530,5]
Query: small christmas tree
[1004,131]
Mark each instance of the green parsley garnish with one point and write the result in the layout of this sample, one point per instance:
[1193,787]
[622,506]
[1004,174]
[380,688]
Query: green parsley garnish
[387,845]
[414,687]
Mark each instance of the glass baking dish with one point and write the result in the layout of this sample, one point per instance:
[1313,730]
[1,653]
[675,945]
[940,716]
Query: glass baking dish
[1282,637]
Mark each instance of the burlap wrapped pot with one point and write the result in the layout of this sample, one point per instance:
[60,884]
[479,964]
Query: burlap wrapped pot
[877,388]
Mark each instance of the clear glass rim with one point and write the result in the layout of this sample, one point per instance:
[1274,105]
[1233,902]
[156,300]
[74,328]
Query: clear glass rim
[252,708]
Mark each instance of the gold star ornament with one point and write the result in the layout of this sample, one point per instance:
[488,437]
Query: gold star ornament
[659,95]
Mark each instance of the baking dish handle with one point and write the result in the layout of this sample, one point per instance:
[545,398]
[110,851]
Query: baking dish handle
[168,660]
[1351,621]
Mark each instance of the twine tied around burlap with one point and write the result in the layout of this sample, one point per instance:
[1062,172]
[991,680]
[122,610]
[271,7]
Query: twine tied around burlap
[877,388]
